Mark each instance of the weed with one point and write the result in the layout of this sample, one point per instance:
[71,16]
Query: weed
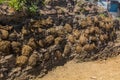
[23,5]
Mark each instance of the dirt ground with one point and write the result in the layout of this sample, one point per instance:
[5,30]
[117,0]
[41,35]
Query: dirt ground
[97,70]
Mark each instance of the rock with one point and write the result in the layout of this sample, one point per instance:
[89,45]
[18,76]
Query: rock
[78,48]
[33,59]
[41,43]
[49,39]
[1,76]
[32,43]
[4,7]
[8,57]
[58,55]
[67,50]
[83,39]
[11,11]
[21,60]
[71,38]
[4,34]
[58,40]
[26,50]
[46,56]
[14,71]
[5,47]
[68,27]
[16,46]
[93,78]
[13,36]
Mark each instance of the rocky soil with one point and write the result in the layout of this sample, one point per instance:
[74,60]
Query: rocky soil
[32,48]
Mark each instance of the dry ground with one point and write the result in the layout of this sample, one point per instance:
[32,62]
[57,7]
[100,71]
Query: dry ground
[97,70]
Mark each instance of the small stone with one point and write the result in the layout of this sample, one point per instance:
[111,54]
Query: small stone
[28,68]
[1,75]
[26,50]
[8,57]
[14,71]
[4,34]
[4,7]
[4,69]
[93,78]
[21,60]
[11,11]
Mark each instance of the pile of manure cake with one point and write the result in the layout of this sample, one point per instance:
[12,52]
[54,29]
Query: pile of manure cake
[42,44]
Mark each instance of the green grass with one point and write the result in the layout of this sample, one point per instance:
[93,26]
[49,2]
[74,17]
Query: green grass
[22,5]
[2,1]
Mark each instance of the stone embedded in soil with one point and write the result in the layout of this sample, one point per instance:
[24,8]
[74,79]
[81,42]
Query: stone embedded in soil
[16,47]
[5,47]
[78,48]
[11,11]
[33,59]
[13,36]
[8,57]
[4,34]
[49,39]
[26,50]
[1,75]
[42,44]
[32,43]
[21,60]
[14,70]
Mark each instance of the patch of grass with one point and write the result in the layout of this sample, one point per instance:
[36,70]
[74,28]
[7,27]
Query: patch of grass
[25,5]
[1,1]
[16,4]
